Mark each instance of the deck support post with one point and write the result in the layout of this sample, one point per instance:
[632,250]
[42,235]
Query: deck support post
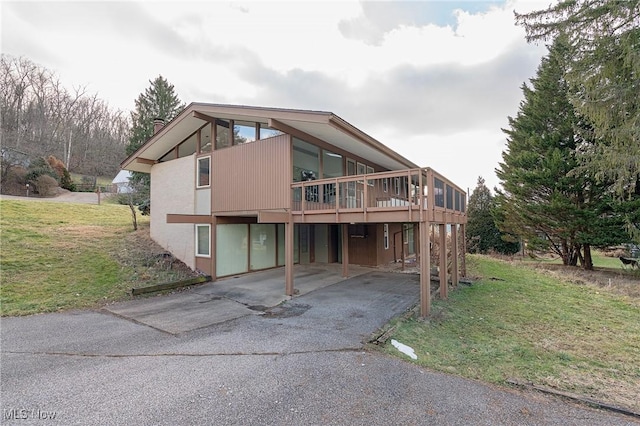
[442,233]
[214,247]
[454,255]
[463,259]
[288,262]
[345,250]
[425,268]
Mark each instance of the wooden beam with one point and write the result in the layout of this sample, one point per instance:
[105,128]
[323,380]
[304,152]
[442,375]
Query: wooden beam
[454,255]
[214,247]
[463,262]
[288,262]
[444,286]
[425,268]
[189,218]
[145,161]
[210,119]
[270,216]
[345,250]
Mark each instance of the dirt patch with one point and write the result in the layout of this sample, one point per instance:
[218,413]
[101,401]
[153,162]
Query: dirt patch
[618,281]
[151,263]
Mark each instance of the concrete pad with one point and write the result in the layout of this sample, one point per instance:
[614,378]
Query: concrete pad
[180,312]
[228,299]
[266,288]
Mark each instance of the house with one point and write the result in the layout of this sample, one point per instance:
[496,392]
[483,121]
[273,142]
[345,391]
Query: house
[236,189]
[121,184]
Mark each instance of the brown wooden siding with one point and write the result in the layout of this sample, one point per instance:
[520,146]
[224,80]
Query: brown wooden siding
[386,256]
[363,247]
[252,176]
[203,264]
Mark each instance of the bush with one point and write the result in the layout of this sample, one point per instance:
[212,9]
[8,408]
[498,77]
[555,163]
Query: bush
[40,167]
[62,173]
[46,185]
[66,182]
[17,175]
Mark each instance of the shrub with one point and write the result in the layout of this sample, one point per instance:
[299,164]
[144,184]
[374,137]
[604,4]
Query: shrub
[46,185]
[40,167]
[66,182]
[17,175]
[63,174]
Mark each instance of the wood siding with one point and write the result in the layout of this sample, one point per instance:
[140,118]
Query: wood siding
[253,176]
[363,248]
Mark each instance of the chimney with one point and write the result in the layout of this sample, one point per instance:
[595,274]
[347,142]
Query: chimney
[158,123]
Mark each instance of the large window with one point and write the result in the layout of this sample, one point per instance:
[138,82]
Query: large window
[232,254]
[306,161]
[203,240]
[204,172]
[263,245]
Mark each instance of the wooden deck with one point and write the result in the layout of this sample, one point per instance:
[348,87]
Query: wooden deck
[414,195]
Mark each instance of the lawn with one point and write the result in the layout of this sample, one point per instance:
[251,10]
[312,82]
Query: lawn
[517,322]
[57,256]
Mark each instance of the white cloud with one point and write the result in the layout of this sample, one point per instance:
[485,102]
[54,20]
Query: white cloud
[396,70]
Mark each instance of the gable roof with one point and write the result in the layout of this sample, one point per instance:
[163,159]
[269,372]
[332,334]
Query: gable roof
[320,124]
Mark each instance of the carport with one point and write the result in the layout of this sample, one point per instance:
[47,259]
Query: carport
[229,298]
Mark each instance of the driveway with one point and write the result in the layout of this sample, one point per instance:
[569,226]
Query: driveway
[63,197]
[301,362]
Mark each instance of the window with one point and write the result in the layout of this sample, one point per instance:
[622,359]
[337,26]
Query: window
[449,195]
[397,185]
[385,184]
[438,192]
[203,241]
[362,169]
[203,172]
[386,236]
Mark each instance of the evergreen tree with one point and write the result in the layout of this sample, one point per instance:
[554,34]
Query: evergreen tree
[482,233]
[159,100]
[544,200]
[603,68]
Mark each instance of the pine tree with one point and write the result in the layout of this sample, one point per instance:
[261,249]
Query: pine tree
[482,233]
[544,200]
[159,100]
[603,57]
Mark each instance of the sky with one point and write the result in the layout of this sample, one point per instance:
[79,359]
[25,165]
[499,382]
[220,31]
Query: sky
[433,80]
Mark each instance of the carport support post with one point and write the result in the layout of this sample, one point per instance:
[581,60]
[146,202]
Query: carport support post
[442,232]
[345,250]
[425,269]
[454,255]
[288,261]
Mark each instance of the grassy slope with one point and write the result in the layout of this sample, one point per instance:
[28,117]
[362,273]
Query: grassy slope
[57,255]
[533,327]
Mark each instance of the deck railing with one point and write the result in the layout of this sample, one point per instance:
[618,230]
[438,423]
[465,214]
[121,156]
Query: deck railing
[410,189]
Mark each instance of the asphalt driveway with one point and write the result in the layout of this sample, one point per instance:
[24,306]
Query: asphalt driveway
[301,362]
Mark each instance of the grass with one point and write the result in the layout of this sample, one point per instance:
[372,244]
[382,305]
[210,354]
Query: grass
[57,256]
[598,258]
[520,323]
[100,180]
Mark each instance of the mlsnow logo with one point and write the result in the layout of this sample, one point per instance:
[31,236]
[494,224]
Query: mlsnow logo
[24,414]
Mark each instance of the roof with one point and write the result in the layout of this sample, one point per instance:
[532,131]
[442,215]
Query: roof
[320,124]
[122,177]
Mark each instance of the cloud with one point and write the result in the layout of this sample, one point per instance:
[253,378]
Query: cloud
[405,72]
[380,17]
